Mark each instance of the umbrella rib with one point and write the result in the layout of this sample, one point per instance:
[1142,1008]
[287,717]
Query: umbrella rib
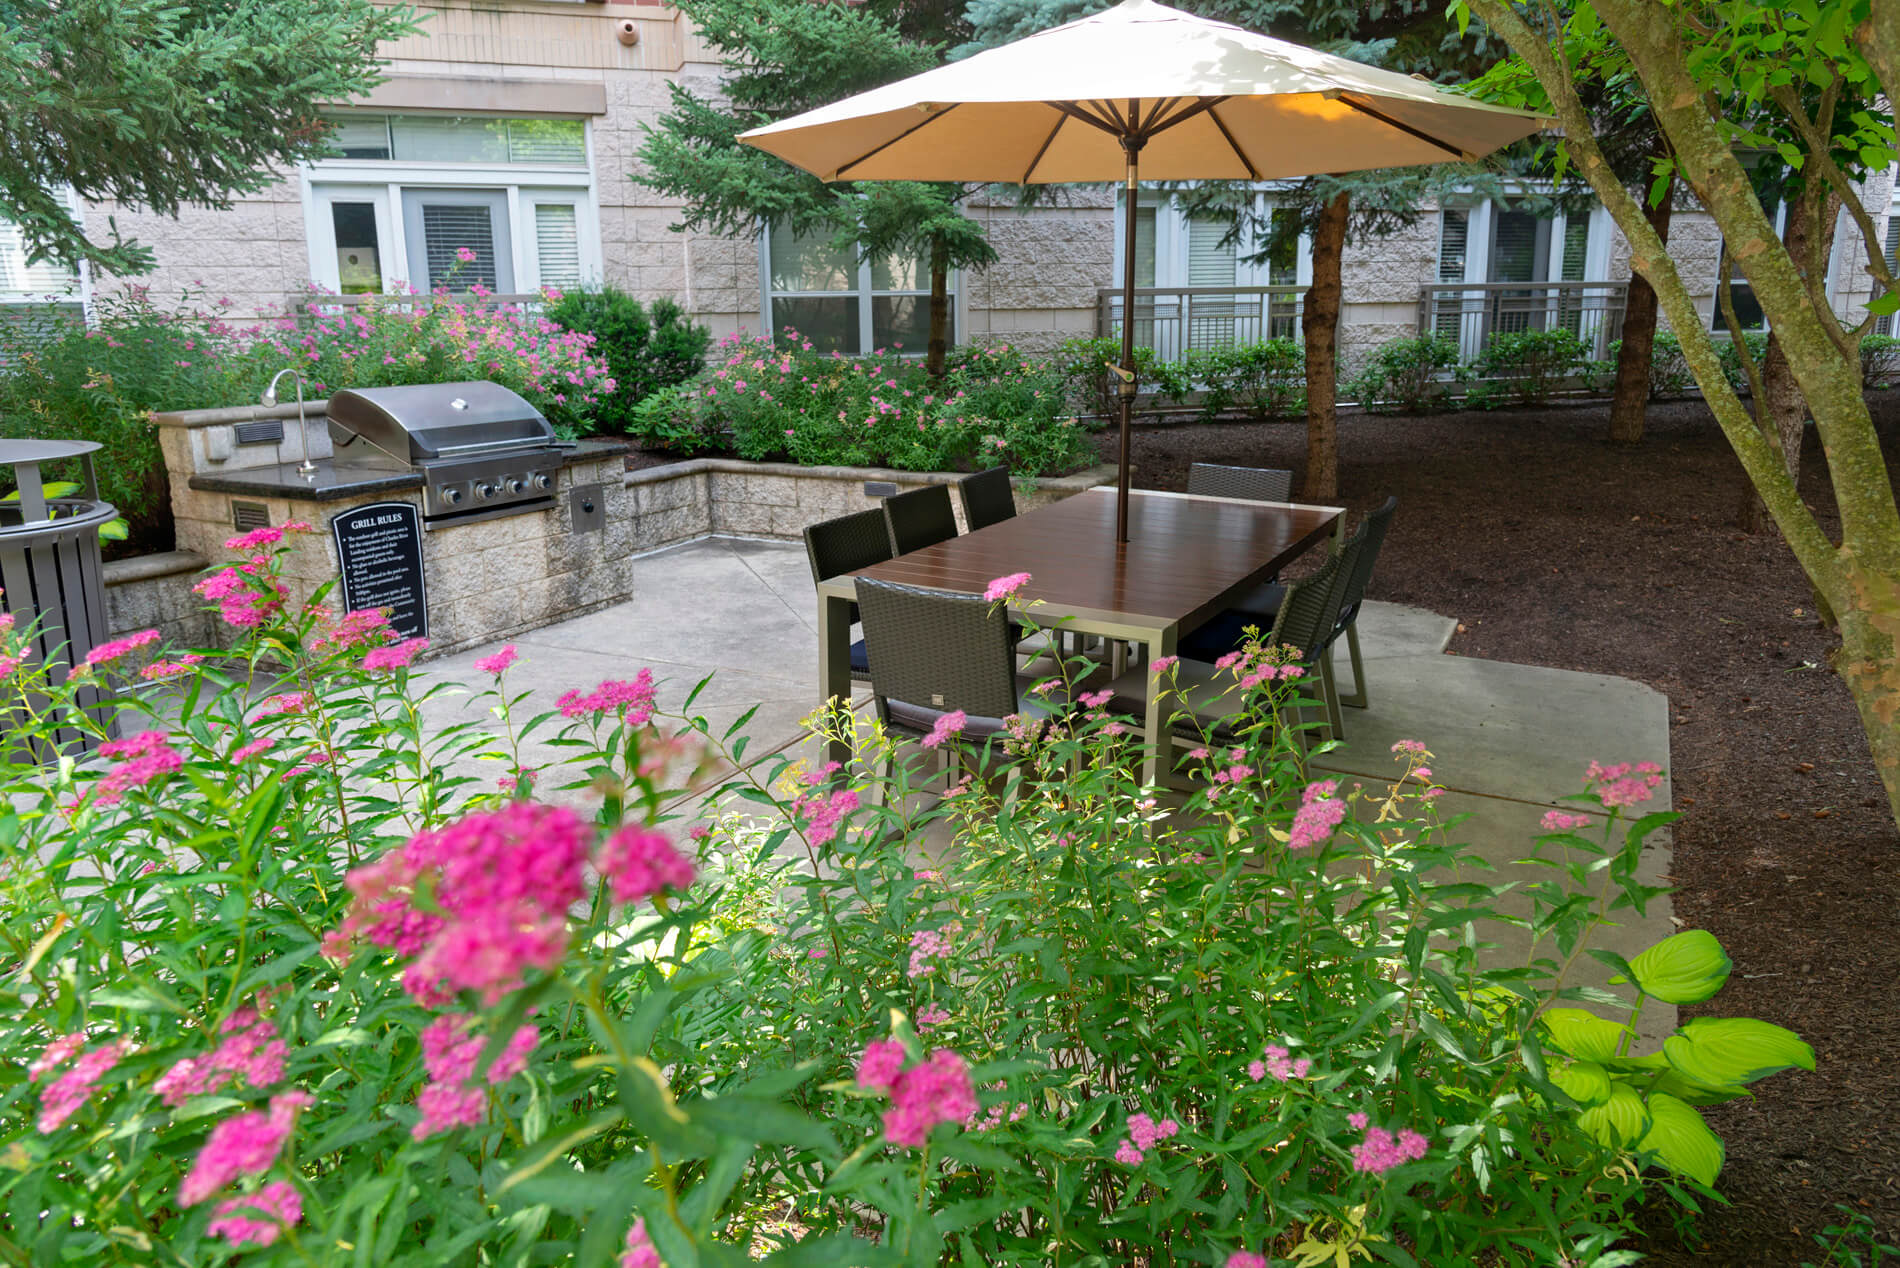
[1406,128]
[1074,111]
[1200,105]
[1232,144]
[1061,118]
[872,153]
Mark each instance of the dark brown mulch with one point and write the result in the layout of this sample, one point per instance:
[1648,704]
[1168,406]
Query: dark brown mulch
[1552,547]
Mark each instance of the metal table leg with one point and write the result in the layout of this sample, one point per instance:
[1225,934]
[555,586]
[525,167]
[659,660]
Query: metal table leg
[834,663]
[1160,735]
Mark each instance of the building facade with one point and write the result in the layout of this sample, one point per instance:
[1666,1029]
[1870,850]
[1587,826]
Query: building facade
[507,133]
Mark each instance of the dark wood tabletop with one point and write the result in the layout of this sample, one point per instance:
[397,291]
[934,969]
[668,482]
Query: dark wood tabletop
[1185,557]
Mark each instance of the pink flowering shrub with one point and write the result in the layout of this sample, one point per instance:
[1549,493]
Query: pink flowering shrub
[785,400]
[286,984]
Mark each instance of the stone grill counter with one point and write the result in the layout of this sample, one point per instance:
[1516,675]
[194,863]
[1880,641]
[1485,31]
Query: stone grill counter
[235,469]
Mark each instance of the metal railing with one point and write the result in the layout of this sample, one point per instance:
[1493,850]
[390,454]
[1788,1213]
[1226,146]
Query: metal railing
[1174,320]
[300,305]
[1470,314]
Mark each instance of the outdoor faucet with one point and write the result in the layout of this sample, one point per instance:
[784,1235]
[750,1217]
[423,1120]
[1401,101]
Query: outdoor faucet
[308,469]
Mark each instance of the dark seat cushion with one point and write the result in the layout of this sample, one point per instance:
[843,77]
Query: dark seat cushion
[1223,633]
[860,659]
[917,719]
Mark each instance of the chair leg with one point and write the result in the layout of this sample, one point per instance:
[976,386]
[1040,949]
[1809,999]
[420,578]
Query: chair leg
[1329,691]
[1358,699]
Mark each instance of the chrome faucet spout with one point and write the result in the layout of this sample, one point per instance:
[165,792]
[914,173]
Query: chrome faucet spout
[307,469]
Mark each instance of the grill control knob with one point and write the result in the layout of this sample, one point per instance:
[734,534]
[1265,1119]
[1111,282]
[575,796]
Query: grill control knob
[516,484]
[485,491]
[544,481]
[451,495]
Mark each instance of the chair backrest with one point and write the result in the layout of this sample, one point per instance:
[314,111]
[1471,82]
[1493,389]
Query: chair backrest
[1371,536]
[937,650]
[986,498]
[847,544]
[1257,484]
[1310,612]
[920,518]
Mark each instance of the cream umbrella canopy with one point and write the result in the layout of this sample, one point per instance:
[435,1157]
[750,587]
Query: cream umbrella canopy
[1140,90]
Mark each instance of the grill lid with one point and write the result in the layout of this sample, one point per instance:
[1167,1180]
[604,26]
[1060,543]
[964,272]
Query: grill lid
[441,420]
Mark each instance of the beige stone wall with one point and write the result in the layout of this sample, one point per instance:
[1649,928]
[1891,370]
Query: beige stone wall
[153,592]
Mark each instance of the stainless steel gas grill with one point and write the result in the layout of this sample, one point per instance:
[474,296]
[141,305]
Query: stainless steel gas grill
[481,449]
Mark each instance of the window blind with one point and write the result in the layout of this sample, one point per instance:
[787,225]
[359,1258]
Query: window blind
[1884,325]
[17,277]
[448,228]
[1210,260]
[557,244]
[1453,235]
[1576,248]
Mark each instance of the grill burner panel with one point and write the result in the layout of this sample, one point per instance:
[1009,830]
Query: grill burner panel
[482,450]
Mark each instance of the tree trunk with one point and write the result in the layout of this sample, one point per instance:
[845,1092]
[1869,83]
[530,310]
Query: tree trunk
[1320,324]
[1629,407]
[939,346]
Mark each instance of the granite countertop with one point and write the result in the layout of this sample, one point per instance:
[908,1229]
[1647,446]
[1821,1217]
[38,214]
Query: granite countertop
[333,481]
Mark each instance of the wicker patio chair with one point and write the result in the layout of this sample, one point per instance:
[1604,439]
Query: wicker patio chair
[843,545]
[1372,534]
[986,498]
[919,518]
[1205,694]
[1256,484]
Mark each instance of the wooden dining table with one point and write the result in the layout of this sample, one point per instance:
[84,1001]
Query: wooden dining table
[1187,558]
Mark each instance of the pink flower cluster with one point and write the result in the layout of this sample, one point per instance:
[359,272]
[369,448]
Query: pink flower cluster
[1163,665]
[162,669]
[1144,1133]
[1382,1150]
[935,1090]
[1006,587]
[278,1202]
[147,755]
[1246,1259]
[1320,812]
[250,1049]
[477,904]
[498,663]
[927,947]
[633,699]
[245,1145]
[365,627]
[949,724]
[63,1097]
[1625,784]
[823,812]
[640,1251]
[398,656]
[106,653]
[451,1049]
[290,702]
[1001,1112]
[639,862]
[1558,821]
[1280,1064]
[246,594]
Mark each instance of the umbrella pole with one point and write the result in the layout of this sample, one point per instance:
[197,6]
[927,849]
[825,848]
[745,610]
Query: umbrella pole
[1132,147]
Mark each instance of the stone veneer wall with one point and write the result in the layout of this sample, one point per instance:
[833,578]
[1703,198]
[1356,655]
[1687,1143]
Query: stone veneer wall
[729,498]
[150,592]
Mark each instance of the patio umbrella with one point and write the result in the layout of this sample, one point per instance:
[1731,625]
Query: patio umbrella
[1140,90]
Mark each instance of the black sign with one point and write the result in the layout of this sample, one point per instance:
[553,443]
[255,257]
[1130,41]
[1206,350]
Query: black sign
[379,551]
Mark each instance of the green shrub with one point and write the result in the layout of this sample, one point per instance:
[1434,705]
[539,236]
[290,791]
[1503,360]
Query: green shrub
[770,403]
[1669,374]
[1414,375]
[286,951]
[1265,381]
[1091,390]
[1725,351]
[1879,361]
[1527,367]
[647,348]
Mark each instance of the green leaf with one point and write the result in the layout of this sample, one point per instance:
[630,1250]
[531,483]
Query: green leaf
[1584,1082]
[1583,1035]
[1886,305]
[1620,1120]
[1727,1051]
[1681,1140]
[1685,968]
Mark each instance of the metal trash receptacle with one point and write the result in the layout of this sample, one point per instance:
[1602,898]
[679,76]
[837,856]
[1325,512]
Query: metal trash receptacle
[52,579]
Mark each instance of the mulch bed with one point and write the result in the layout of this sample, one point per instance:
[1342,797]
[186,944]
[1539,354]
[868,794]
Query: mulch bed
[1552,547]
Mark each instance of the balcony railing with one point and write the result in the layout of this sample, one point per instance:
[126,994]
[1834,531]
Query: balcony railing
[331,305]
[1470,314]
[1176,319]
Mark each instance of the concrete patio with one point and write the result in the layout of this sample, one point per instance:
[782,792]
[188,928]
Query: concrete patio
[1508,741]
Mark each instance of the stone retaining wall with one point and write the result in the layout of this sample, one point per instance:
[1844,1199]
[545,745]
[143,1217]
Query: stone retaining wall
[727,497]
[153,592]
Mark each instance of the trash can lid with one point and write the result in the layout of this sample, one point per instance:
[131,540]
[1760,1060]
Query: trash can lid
[12,451]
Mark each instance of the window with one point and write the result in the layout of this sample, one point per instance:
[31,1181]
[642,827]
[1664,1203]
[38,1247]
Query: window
[1521,270]
[1219,296]
[843,304]
[433,201]
[1885,325]
[1748,314]
[35,283]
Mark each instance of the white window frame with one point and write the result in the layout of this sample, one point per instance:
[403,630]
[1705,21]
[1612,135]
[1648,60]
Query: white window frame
[1480,234]
[78,292]
[863,292]
[1171,242]
[383,181]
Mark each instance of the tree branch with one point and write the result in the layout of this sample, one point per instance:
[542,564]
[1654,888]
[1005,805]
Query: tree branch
[1821,154]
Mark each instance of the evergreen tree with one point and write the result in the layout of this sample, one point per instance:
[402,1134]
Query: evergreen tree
[162,103]
[782,57]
